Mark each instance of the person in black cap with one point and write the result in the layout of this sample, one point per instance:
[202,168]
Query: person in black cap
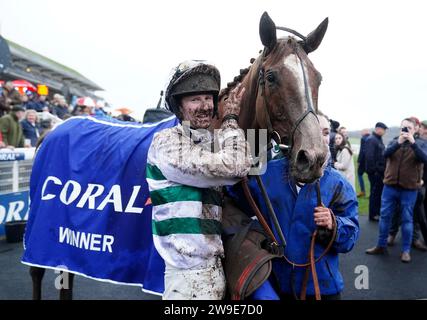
[11,128]
[375,166]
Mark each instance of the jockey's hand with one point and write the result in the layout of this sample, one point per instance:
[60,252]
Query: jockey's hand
[323,218]
[232,103]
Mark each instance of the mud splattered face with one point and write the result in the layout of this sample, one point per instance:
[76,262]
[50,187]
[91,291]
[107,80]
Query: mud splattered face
[198,110]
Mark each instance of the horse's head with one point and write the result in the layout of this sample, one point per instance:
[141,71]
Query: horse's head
[282,90]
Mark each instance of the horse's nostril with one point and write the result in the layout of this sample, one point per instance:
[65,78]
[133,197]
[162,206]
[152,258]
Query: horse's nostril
[303,161]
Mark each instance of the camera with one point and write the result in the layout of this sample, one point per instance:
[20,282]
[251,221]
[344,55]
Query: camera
[405,129]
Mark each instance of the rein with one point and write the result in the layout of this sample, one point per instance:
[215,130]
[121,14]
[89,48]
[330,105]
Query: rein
[311,264]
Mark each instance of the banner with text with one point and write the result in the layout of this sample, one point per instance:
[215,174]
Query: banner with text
[13,207]
[90,207]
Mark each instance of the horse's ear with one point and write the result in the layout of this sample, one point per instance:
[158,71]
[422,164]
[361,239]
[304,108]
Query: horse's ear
[315,37]
[267,31]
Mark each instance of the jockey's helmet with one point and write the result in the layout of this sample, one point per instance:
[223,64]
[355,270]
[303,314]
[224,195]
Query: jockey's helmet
[192,77]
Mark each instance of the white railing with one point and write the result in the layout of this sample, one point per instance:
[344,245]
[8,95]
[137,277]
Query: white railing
[15,169]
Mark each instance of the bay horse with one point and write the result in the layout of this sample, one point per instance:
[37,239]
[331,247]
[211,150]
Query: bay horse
[281,96]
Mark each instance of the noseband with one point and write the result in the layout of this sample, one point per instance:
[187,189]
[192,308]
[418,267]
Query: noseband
[270,130]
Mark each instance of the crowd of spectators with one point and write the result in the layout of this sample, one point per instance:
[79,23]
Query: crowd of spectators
[24,118]
[397,179]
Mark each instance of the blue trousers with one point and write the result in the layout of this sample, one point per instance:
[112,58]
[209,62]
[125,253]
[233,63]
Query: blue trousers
[376,182]
[391,197]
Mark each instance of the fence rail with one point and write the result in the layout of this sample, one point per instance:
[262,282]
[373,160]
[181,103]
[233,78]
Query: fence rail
[15,169]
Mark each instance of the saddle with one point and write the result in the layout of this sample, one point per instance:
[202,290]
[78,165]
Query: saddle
[248,257]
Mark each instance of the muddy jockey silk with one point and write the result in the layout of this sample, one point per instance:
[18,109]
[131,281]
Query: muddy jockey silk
[90,208]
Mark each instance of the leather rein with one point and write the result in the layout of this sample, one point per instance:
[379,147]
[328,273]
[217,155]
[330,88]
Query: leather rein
[279,248]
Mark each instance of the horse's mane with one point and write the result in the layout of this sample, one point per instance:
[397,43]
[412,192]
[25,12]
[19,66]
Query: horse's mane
[244,72]
[236,80]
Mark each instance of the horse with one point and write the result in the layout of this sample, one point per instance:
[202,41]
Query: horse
[281,96]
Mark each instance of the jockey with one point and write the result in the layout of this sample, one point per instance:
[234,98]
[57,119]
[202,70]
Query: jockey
[185,176]
[299,214]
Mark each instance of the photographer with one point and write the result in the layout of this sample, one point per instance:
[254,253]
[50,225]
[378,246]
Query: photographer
[405,157]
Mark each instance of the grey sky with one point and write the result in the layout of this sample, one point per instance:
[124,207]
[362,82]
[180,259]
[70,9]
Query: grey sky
[373,56]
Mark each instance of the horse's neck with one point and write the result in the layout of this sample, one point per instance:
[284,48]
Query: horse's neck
[248,105]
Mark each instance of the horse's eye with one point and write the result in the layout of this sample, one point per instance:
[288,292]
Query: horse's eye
[270,77]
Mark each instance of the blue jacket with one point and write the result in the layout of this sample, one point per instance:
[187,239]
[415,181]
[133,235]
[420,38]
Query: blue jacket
[30,132]
[59,111]
[295,214]
[374,154]
[35,105]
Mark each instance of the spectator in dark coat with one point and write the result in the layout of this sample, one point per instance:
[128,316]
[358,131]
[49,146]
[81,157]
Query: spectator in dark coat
[30,127]
[9,97]
[361,162]
[29,102]
[11,129]
[37,104]
[60,107]
[375,166]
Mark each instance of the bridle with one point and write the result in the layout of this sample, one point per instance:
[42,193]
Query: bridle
[271,133]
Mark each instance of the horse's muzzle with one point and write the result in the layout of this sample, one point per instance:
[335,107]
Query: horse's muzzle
[308,165]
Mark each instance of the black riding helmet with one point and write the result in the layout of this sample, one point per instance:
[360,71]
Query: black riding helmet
[192,77]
